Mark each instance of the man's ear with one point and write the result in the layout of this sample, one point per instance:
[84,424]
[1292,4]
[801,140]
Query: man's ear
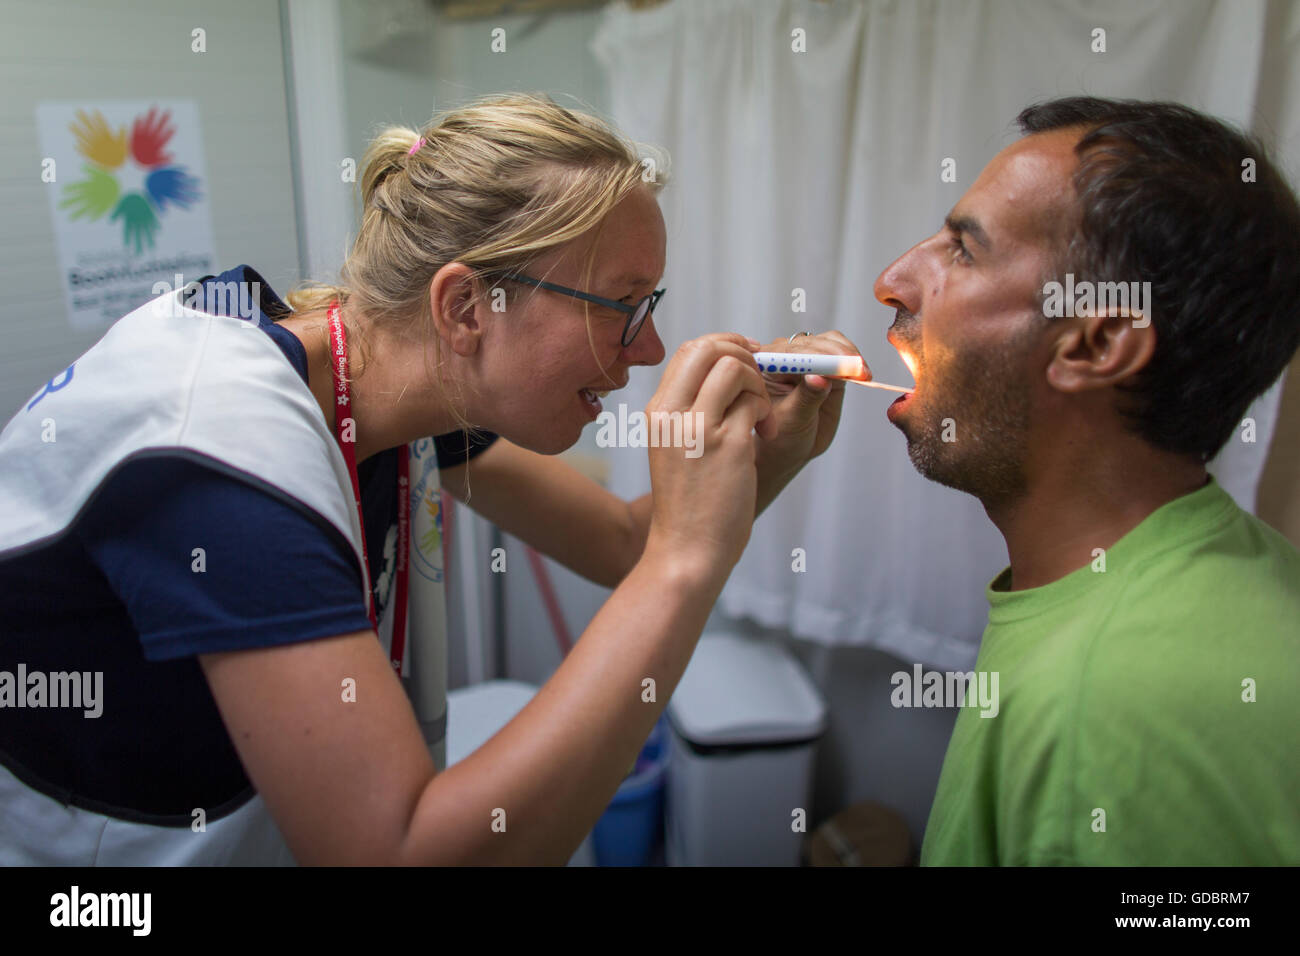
[1096,351]
[453,298]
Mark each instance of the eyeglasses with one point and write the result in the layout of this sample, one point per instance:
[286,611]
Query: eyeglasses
[636,314]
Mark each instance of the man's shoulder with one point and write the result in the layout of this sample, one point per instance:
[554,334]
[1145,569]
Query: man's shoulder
[1191,632]
[1239,574]
[1181,632]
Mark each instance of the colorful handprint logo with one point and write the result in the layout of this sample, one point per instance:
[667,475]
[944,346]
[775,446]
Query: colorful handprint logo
[432,538]
[107,150]
[426,556]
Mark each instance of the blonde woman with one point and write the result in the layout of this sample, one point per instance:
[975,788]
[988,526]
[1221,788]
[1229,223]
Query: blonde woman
[207,529]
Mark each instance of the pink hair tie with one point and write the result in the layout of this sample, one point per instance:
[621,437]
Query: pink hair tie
[418,143]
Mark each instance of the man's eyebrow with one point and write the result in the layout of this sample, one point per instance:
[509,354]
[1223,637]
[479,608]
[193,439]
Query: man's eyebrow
[970,226]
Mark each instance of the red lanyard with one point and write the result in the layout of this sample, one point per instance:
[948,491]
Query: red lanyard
[345,431]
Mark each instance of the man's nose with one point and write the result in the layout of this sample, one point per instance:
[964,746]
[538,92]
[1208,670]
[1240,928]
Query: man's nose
[646,348]
[899,283]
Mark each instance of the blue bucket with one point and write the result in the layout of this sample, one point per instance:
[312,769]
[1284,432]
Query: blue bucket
[630,830]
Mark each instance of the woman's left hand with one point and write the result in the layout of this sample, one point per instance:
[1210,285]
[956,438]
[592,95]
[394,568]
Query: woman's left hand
[805,409]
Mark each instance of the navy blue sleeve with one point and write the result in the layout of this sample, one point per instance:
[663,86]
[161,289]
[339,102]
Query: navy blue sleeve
[456,448]
[271,572]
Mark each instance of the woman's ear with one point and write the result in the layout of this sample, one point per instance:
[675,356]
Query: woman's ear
[453,298]
[1096,351]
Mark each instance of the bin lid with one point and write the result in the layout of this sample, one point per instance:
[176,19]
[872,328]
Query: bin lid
[745,691]
[477,712]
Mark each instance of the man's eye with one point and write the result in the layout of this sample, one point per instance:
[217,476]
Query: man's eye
[960,250]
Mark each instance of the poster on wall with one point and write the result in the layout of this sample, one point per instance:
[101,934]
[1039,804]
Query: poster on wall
[129,198]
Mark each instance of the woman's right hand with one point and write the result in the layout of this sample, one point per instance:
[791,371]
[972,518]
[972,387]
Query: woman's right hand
[705,485]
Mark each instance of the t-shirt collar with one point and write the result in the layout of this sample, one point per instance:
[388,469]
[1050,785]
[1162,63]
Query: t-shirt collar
[1169,526]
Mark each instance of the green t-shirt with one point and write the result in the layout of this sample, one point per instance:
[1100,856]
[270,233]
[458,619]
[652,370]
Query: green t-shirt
[1149,714]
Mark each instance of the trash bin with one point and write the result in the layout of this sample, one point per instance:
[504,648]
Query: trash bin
[744,724]
[631,830]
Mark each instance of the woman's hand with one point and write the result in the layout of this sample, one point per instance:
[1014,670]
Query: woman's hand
[705,485]
[805,411]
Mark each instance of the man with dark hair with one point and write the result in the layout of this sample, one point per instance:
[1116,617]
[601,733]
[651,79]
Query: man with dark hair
[1086,332]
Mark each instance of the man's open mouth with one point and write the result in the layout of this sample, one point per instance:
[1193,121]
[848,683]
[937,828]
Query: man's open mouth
[910,361]
[897,405]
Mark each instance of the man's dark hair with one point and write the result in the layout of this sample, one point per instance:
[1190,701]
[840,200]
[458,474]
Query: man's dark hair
[1163,197]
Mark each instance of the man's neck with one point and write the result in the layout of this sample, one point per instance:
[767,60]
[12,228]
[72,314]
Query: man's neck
[1085,504]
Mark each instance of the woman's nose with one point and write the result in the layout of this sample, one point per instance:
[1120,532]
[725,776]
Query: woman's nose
[646,348]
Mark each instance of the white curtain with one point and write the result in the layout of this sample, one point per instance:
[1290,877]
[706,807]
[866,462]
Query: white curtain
[813,170]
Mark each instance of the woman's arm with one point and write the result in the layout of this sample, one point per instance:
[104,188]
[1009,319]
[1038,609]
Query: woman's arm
[329,740]
[546,503]
[556,509]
